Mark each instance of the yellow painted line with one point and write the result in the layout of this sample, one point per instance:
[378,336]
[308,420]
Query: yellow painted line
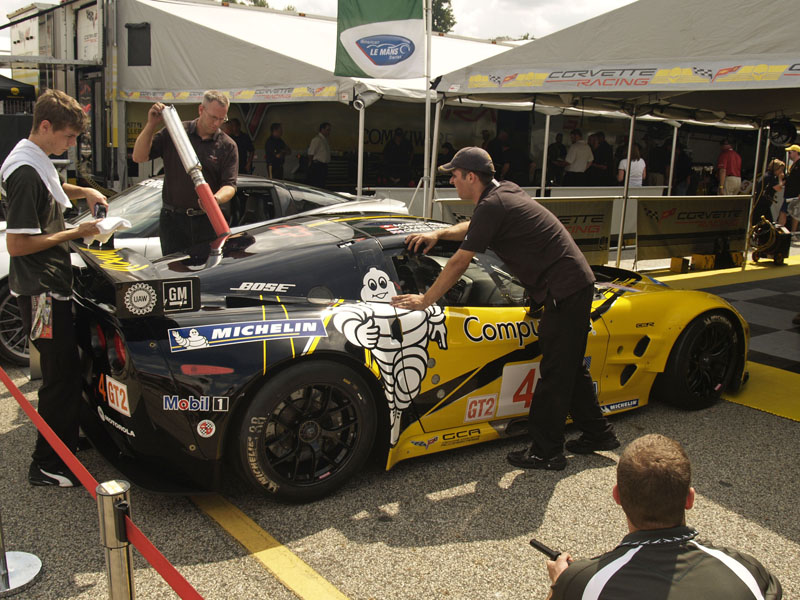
[286,314]
[770,390]
[284,564]
[766,269]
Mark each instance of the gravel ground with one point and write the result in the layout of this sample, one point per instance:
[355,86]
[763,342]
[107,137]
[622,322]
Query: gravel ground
[452,525]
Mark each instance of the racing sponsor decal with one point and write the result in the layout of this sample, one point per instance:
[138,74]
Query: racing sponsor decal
[608,408]
[177,295]
[121,428]
[426,444]
[111,260]
[480,408]
[140,299]
[209,336]
[262,286]
[397,339]
[456,438]
[386,50]
[201,404]
[489,332]
[116,394]
[206,428]
[417,227]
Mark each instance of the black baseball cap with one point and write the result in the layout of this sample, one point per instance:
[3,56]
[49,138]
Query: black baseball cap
[470,158]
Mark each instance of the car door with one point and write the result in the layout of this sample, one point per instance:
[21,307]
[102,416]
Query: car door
[489,367]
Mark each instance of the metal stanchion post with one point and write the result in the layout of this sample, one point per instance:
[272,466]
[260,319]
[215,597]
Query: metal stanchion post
[113,504]
[18,570]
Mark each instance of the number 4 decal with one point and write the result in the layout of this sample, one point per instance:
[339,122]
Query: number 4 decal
[516,390]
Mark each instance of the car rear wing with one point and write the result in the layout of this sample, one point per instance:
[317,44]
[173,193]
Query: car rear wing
[138,289]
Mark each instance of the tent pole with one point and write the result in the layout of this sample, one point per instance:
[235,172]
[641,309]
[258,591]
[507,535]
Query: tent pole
[360,183]
[753,188]
[426,174]
[434,158]
[672,160]
[625,190]
[544,155]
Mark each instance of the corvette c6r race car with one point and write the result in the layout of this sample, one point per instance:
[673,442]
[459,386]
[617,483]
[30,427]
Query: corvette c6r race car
[285,358]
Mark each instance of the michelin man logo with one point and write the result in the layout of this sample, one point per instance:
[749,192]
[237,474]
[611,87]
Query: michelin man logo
[195,340]
[397,338]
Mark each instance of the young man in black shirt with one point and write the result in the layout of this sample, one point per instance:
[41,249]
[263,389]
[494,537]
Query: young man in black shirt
[40,270]
[541,253]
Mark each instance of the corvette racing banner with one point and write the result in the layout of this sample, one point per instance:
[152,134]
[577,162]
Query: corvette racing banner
[670,227]
[380,40]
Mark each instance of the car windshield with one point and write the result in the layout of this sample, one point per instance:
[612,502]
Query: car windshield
[140,205]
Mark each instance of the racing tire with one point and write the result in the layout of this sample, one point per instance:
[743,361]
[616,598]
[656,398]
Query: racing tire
[701,363]
[13,340]
[307,431]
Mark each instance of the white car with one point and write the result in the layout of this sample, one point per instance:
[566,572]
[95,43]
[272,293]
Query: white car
[257,200]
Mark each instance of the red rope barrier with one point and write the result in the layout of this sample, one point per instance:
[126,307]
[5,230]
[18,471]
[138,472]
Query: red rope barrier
[145,547]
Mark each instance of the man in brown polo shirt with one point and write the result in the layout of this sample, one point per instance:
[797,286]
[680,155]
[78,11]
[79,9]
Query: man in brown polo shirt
[540,252]
[183,223]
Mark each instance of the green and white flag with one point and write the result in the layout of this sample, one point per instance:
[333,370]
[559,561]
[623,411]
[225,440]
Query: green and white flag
[380,39]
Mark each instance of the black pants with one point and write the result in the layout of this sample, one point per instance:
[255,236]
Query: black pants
[179,232]
[565,386]
[276,170]
[60,392]
[317,173]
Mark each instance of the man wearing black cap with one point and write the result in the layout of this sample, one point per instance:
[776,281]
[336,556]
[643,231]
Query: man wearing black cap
[540,252]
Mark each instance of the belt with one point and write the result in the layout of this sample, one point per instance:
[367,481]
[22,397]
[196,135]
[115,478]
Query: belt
[189,212]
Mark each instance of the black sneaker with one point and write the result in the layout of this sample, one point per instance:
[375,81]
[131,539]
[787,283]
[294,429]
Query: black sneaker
[525,459]
[587,445]
[58,476]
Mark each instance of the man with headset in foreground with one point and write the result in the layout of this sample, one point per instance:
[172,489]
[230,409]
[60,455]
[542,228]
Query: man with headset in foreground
[660,557]
[540,252]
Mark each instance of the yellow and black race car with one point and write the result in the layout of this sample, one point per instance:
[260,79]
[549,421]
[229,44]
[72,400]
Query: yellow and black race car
[284,356]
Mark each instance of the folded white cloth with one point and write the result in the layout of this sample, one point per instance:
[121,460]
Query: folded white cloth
[28,153]
[107,228]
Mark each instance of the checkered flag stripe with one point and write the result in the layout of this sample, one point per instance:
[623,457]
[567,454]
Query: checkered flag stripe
[700,72]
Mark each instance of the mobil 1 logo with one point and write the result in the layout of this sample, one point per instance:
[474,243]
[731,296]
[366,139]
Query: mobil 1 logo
[178,295]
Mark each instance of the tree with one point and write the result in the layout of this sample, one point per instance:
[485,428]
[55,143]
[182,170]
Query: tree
[443,19]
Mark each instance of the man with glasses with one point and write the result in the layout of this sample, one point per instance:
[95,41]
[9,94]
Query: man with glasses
[183,223]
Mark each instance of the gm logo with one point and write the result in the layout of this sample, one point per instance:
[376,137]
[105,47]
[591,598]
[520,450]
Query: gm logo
[177,295]
[386,50]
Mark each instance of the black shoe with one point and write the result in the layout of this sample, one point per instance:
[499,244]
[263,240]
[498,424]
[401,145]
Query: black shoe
[587,445]
[525,459]
[59,476]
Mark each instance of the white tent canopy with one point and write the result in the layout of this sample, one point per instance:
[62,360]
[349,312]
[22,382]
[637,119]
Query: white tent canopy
[258,55]
[713,60]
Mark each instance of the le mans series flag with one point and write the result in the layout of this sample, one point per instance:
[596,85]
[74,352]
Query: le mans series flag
[380,39]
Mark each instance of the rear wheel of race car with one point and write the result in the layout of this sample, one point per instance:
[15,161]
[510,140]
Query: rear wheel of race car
[13,341]
[307,431]
[701,363]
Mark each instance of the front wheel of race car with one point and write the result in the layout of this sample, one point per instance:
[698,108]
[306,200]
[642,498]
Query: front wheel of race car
[307,431]
[701,363]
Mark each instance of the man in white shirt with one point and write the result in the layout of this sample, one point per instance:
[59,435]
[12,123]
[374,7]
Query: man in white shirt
[579,155]
[319,155]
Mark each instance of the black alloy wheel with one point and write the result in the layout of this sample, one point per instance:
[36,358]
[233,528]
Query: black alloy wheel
[307,431]
[701,363]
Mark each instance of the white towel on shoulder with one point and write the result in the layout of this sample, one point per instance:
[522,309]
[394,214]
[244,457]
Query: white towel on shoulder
[28,153]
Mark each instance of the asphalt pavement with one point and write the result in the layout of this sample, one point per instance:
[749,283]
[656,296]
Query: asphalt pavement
[452,525]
